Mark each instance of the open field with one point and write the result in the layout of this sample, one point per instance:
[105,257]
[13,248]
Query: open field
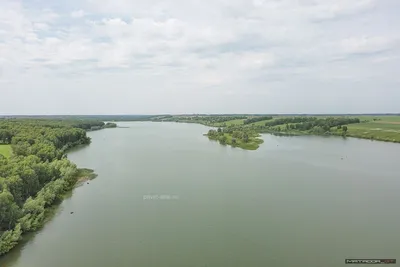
[377,126]
[5,150]
[234,122]
[389,118]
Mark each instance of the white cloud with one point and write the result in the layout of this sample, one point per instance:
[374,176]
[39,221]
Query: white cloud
[150,49]
[360,45]
[78,13]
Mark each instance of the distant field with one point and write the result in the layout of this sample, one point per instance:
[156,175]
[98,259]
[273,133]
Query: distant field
[377,126]
[5,150]
[260,122]
[234,122]
[385,129]
[381,118]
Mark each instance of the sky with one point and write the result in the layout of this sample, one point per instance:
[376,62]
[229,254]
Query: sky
[199,56]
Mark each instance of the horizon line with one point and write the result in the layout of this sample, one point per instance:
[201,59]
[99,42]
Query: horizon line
[194,114]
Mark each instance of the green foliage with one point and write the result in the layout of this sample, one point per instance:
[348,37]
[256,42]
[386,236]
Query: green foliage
[384,127]
[256,119]
[9,239]
[237,138]
[110,125]
[317,130]
[5,150]
[222,139]
[210,120]
[37,174]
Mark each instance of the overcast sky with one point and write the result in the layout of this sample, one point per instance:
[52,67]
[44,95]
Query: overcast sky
[199,56]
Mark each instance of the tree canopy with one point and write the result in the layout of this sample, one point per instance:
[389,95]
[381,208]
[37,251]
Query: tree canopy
[37,174]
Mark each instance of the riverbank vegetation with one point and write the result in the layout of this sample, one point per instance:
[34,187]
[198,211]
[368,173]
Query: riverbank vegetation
[37,174]
[379,127]
[385,127]
[237,138]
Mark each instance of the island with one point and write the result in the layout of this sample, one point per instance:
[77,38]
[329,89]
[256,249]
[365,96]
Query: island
[244,139]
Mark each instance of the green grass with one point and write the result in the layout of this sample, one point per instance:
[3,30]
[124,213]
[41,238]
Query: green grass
[234,122]
[5,150]
[376,130]
[378,126]
[384,128]
[382,118]
[260,122]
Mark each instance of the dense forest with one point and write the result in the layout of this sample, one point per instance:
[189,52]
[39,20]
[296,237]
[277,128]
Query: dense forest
[37,174]
[256,119]
[311,124]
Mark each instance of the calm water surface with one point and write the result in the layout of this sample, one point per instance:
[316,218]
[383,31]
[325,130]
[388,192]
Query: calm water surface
[296,201]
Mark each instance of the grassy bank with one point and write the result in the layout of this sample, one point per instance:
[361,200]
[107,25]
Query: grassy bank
[83,175]
[5,150]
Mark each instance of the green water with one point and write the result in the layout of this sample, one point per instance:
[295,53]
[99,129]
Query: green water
[293,202]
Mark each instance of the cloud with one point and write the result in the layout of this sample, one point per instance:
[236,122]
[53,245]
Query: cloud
[146,50]
[78,13]
[366,45]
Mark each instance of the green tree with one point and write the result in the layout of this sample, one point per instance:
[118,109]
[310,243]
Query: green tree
[9,239]
[222,139]
[9,210]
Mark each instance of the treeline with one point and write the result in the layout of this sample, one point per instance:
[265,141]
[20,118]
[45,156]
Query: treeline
[36,175]
[289,120]
[256,119]
[82,124]
[307,123]
[110,125]
[215,119]
[207,119]
[325,124]
[237,134]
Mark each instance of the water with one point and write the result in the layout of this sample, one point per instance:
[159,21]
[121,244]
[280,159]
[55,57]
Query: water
[296,201]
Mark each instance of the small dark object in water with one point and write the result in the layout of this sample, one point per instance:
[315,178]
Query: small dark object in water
[72,212]
[87,183]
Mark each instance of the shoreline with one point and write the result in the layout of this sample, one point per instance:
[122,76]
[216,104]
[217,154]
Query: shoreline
[77,179]
[348,134]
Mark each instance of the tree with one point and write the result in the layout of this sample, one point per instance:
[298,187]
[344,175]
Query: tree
[37,174]
[344,128]
[9,239]
[245,138]
[222,139]
[9,210]
[212,133]
[326,128]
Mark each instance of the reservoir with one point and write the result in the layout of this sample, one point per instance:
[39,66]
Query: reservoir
[166,196]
